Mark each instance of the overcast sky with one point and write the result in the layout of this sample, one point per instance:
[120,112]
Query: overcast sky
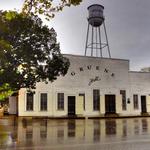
[127,24]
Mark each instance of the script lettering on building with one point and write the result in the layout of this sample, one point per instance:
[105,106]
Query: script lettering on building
[92,80]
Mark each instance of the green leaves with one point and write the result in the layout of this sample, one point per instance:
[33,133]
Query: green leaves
[10,15]
[5,91]
[29,52]
[48,8]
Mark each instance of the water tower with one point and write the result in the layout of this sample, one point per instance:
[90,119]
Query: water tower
[96,39]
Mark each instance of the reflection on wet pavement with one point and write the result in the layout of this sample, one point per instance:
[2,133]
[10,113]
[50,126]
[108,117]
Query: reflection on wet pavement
[109,134]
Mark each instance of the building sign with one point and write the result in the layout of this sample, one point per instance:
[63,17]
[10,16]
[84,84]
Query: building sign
[96,78]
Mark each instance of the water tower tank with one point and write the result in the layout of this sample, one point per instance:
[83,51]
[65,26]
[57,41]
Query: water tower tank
[96,16]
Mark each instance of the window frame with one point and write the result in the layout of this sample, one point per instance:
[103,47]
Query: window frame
[124,103]
[28,102]
[83,95]
[60,101]
[96,100]
[42,104]
[135,102]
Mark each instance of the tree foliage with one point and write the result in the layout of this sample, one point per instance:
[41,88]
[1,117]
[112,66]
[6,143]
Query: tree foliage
[29,52]
[5,91]
[47,7]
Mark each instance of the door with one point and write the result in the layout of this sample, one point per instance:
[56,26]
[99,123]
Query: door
[143,104]
[110,104]
[71,105]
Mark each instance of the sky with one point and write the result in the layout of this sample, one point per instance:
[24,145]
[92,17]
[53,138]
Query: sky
[127,24]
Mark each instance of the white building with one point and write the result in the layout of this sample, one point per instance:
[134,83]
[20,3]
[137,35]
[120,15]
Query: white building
[93,87]
[146,69]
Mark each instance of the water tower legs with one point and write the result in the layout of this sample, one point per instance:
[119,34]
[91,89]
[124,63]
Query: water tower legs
[97,42]
[106,39]
[87,36]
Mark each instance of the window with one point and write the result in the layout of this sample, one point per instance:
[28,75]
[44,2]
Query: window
[96,100]
[82,94]
[97,67]
[124,105]
[135,101]
[29,104]
[60,101]
[43,102]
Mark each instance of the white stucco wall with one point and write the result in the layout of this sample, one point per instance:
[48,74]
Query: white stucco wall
[140,85]
[84,81]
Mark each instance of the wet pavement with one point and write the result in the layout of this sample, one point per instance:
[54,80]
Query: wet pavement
[88,134]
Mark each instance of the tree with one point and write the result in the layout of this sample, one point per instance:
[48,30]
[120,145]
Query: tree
[29,52]
[5,91]
[47,7]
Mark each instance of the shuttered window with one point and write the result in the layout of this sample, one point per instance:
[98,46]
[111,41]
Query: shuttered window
[60,101]
[124,104]
[135,101]
[29,102]
[43,102]
[96,99]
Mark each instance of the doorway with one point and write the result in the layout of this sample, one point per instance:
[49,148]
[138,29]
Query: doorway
[110,104]
[71,106]
[143,104]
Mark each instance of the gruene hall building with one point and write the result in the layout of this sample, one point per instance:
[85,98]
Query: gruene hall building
[93,87]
